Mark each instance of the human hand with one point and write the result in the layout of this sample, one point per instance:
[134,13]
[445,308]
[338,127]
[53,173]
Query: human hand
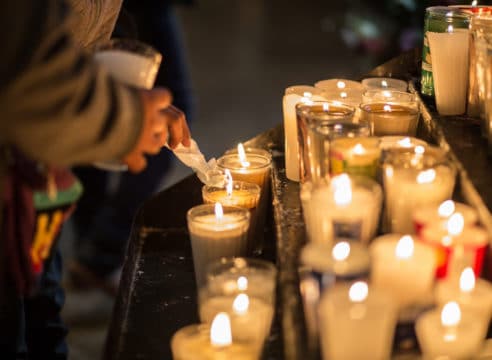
[163,123]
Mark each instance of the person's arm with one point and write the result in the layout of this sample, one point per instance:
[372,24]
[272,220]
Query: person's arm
[56,105]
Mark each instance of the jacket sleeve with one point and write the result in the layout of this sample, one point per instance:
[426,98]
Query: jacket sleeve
[56,104]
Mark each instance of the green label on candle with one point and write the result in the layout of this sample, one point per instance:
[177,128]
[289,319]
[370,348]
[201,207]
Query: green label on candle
[339,166]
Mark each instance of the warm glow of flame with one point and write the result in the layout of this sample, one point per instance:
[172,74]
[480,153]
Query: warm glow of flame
[386,93]
[451,314]
[450,29]
[404,247]
[342,190]
[343,95]
[384,83]
[426,176]
[228,180]
[219,211]
[446,209]
[241,304]
[341,84]
[419,150]
[341,251]
[326,107]
[467,280]
[242,283]
[446,240]
[455,224]
[474,3]
[307,101]
[358,149]
[387,107]
[405,142]
[242,155]
[358,291]
[220,331]
[307,94]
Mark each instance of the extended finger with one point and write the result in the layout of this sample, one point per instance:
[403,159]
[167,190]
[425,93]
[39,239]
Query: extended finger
[162,97]
[176,130]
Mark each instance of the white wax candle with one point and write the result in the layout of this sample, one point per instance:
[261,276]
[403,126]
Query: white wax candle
[384,83]
[473,295]
[339,85]
[407,189]
[250,320]
[356,322]
[214,237]
[130,68]
[449,54]
[200,341]
[351,97]
[449,335]
[403,267]
[294,95]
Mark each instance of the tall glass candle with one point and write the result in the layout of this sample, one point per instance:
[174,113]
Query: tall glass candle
[413,178]
[216,232]
[356,322]
[293,96]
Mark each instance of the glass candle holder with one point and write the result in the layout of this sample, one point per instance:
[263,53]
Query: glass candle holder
[385,83]
[254,168]
[316,124]
[413,178]
[355,156]
[240,194]
[339,85]
[352,97]
[294,95]
[244,288]
[347,208]
[215,235]
[390,112]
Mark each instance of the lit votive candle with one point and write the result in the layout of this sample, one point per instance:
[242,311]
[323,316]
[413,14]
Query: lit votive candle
[439,214]
[472,294]
[202,341]
[323,265]
[456,245]
[293,96]
[447,335]
[356,322]
[251,165]
[414,178]
[388,117]
[404,268]
[352,207]
[352,97]
[216,232]
[339,85]
[385,83]
[355,156]
[236,193]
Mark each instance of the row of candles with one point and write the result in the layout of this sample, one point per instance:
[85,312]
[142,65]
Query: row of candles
[354,184]
[236,293]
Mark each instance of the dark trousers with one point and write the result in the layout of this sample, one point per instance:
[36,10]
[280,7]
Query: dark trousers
[31,327]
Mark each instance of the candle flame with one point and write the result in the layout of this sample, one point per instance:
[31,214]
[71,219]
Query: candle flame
[326,107]
[341,84]
[474,3]
[241,304]
[219,211]
[307,101]
[220,331]
[446,240]
[387,108]
[359,149]
[307,94]
[359,291]
[446,209]
[242,283]
[451,314]
[455,224]
[343,95]
[228,181]
[242,155]
[341,251]
[384,83]
[404,247]
[467,280]
[405,142]
[450,29]
[419,150]
[426,176]
[387,94]
[342,189]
